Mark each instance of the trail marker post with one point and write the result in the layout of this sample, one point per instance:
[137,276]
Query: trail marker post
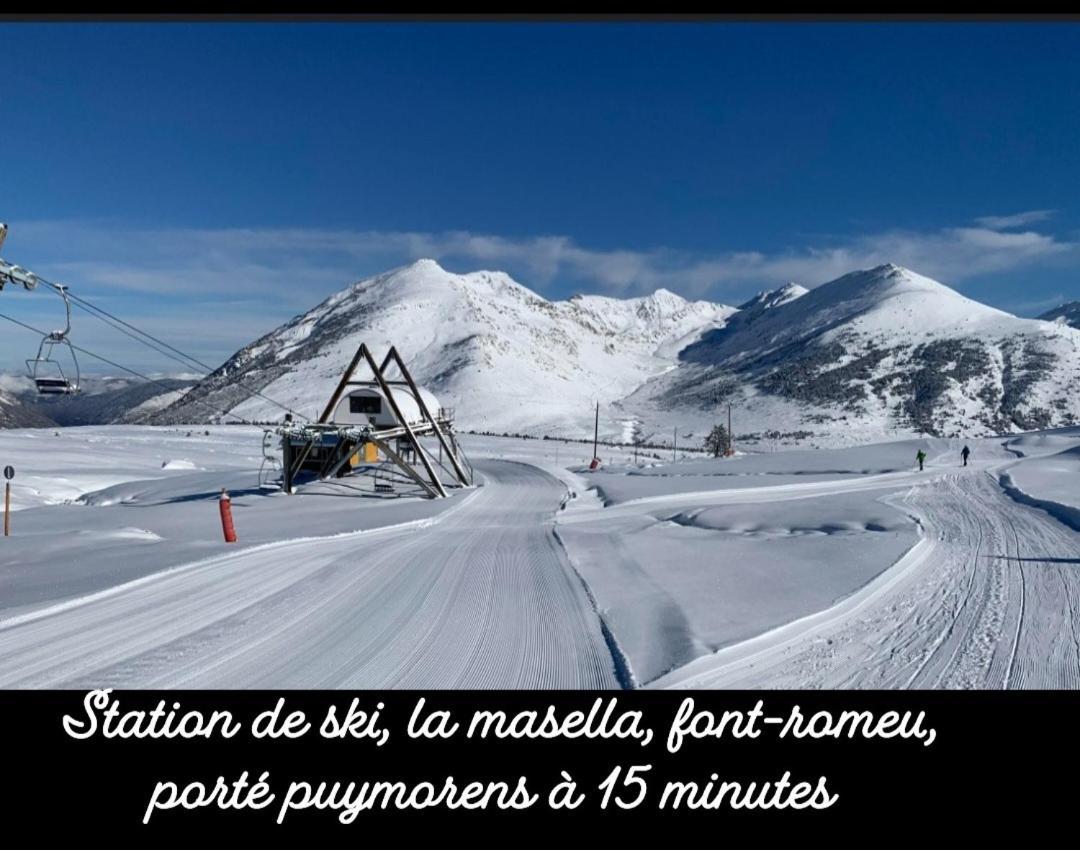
[9,473]
[225,506]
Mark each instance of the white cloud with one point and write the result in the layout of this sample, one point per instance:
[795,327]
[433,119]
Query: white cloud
[15,384]
[296,266]
[1007,222]
[214,290]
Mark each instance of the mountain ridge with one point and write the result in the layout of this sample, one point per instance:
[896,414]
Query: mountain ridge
[1066,314]
[877,352]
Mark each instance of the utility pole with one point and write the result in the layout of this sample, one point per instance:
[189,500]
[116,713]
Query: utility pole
[596,431]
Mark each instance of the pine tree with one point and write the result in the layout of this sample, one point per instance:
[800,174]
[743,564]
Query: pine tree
[719,441]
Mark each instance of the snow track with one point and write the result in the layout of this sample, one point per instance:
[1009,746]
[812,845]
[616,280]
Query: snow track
[989,600]
[485,599]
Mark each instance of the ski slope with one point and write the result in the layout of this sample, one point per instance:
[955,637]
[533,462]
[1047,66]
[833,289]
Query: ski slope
[482,598]
[834,568]
[989,599]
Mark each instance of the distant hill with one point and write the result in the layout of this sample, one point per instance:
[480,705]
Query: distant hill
[1068,314]
[105,401]
[15,414]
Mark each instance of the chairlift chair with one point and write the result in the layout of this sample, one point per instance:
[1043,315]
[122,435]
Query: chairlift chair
[46,372]
[270,472]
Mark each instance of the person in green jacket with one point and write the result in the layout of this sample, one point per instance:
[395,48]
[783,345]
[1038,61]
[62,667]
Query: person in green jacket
[920,457]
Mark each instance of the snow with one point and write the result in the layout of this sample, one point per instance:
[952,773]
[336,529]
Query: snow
[617,483]
[677,582]
[1066,314]
[60,465]
[832,568]
[133,585]
[155,403]
[1048,476]
[178,464]
[505,357]
[855,361]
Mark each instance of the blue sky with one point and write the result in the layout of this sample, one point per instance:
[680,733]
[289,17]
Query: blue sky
[211,181]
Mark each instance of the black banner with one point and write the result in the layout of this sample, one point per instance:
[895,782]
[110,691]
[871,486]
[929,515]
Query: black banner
[159,763]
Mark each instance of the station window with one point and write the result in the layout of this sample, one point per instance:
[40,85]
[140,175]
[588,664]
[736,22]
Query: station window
[365,404]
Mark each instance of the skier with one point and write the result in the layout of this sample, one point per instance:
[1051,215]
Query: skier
[964,452]
[920,457]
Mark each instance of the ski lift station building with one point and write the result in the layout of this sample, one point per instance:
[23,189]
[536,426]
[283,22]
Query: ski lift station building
[368,405]
[380,417]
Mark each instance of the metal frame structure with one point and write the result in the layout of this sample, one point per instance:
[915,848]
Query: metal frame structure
[46,384]
[345,442]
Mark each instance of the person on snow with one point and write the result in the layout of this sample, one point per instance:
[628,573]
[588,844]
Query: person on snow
[964,452]
[920,457]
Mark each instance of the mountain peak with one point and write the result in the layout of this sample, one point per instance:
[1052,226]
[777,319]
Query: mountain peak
[858,351]
[424,264]
[881,282]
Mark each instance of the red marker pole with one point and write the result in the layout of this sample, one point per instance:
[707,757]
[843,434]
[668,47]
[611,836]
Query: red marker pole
[225,505]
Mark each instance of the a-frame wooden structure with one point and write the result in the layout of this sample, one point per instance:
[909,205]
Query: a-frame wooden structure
[337,445]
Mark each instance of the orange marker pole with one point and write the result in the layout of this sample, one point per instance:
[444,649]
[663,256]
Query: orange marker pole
[225,506]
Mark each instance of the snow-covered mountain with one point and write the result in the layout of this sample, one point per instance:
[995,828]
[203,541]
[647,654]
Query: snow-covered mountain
[884,351]
[1066,314]
[503,356]
[15,414]
[874,353]
[100,400]
[119,401]
[770,298]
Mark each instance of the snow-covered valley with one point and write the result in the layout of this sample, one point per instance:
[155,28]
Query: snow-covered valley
[845,567]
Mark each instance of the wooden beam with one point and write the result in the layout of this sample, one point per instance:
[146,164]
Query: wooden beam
[345,459]
[463,479]
[328,411]
[300,461]
[402,421]
[405,467]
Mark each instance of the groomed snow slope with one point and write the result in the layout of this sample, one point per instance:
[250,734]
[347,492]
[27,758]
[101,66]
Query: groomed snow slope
[845,569]
[989,598]
[483,598]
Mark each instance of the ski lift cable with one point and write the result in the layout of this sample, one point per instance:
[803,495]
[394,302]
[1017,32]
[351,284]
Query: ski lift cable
[88,307]
[135,337]
[30,281]
[105,316]
[10,273]
[137,374]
